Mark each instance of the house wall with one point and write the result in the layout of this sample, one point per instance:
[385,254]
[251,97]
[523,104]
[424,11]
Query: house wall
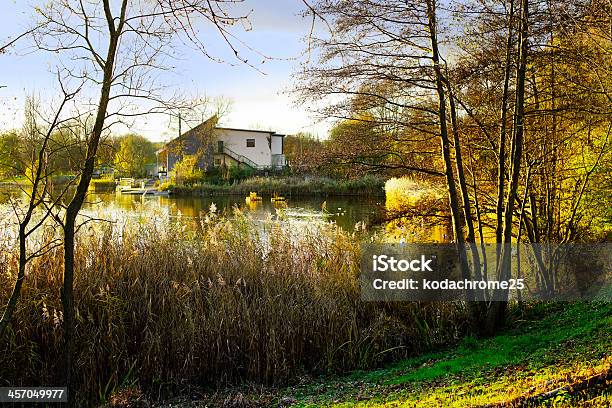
[224,160]
[235,140]
[189,145]
[277,144]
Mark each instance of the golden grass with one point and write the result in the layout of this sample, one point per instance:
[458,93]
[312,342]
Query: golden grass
[164,306]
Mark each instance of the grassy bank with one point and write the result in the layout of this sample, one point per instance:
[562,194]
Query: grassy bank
[57,179]
[103,185]
[553,355]
[14,180]
[163,309]
[287,187]
[550,347]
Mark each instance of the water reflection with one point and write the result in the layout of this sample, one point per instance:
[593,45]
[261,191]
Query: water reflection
[297,212]
[343,211]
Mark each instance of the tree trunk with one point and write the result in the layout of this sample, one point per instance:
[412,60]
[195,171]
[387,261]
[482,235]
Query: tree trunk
[478,215]
[498,310]
[11,306]
[463,187]
[76,203]
[478,310]
[67,297]
[501,154]
[445,145]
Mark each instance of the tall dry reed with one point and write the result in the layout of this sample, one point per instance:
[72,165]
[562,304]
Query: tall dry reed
[168,305]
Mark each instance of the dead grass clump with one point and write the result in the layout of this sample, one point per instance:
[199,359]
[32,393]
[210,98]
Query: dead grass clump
[162,307]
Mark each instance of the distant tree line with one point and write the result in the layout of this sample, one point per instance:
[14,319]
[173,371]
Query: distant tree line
[129,154]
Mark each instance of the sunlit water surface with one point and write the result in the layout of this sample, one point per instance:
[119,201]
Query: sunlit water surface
[298,214]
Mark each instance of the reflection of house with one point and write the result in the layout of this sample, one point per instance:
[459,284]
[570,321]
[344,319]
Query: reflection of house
[213,146]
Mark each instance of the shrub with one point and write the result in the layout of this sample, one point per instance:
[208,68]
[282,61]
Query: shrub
[186,171]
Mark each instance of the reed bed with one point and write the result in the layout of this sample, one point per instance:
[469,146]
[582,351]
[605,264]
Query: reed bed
[166,306]
[287,186]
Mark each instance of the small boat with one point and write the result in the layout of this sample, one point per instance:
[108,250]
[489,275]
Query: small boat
[253,197]
[144,191]
[137,191]
[278,198]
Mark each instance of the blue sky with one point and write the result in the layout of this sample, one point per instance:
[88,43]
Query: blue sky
[258,99]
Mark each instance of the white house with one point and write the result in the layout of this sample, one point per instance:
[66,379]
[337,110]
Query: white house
[259,149]
[216,146]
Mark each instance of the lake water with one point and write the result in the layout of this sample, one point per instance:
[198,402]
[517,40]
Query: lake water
[343,211]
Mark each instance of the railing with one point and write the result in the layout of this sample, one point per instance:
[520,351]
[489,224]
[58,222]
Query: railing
[278,160]
[242,159]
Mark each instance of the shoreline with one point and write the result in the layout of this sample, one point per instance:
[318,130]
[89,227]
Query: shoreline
[286,187]
[199,193]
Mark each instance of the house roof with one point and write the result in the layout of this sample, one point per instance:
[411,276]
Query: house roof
[250,130]
[207,122]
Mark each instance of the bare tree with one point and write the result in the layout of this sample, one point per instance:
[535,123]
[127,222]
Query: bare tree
[566,115]
[34,215]
[385,57]
[117,48]
[375,67]
[497,314]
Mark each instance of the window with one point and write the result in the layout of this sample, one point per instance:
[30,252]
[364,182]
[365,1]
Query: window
[220,146]
[217,162]
[250,142]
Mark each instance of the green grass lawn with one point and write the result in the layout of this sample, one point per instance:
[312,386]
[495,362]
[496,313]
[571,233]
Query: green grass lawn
[550,346]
